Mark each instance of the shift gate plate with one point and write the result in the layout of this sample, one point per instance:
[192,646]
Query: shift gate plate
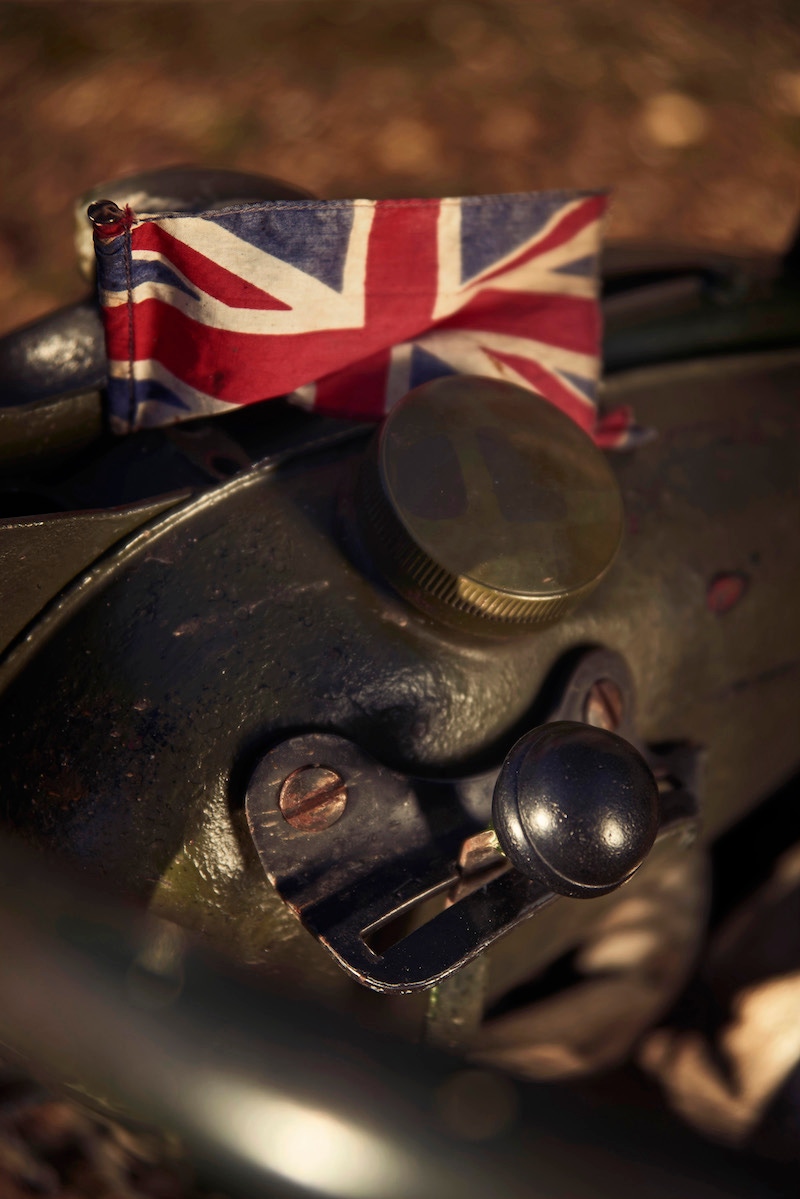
[398,841]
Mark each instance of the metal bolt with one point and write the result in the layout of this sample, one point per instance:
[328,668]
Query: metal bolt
[103,212]
[602,708]
[312,798]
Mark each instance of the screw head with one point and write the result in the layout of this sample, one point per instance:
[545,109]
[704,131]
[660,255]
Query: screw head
[312,798]
[603,706]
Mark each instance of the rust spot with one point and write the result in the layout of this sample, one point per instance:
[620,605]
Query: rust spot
[725,590]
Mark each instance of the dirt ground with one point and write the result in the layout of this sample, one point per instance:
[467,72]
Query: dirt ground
[688,109]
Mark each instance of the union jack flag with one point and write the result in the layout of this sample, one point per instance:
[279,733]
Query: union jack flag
[344,305]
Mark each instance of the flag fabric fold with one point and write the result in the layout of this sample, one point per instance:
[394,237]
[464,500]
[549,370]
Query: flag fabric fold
[344,305]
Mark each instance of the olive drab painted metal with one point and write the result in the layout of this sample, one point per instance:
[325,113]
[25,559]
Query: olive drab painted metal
[141,686]
[241,616]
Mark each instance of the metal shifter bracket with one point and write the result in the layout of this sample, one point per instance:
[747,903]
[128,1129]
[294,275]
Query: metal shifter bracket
[398,841]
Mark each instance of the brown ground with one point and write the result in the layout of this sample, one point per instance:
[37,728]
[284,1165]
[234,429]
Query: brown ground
[689,109]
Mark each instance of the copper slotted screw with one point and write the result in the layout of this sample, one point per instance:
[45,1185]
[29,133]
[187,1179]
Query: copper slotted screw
[312,798]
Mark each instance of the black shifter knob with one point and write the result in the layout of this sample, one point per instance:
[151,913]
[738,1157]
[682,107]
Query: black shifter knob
[575,808]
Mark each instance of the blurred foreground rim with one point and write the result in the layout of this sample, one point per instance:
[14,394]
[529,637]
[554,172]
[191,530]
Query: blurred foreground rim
[278,1096]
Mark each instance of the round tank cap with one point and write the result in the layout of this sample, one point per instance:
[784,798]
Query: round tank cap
[485,505]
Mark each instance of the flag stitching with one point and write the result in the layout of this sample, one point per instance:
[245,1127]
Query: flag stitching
[131,335]
[302,205]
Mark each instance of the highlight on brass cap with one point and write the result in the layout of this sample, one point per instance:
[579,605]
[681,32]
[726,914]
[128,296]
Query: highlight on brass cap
[486,506]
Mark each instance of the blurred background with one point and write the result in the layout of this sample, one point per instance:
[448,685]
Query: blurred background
[688,109]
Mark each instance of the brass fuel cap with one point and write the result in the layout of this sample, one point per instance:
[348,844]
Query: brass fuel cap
[486,506]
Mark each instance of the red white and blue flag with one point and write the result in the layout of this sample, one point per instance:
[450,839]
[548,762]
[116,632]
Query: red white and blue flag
[345,305]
